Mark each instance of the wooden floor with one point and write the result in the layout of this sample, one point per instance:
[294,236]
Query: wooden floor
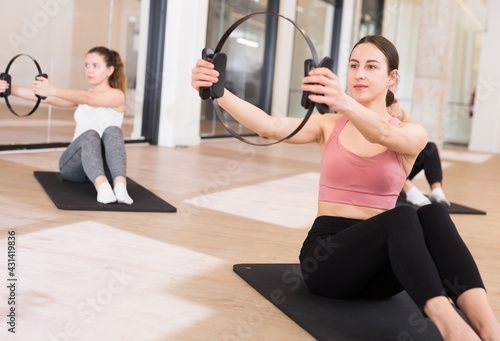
[168,276]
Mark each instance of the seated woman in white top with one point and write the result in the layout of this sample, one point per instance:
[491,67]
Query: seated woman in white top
[97,152]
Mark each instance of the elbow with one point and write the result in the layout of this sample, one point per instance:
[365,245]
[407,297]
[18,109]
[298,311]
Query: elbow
[87,99]
[380,133]
[266,132]
[377,137]
[424,139]
[266,127]
[274,128]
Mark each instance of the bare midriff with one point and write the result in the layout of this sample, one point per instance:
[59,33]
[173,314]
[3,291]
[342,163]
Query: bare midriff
[347,211]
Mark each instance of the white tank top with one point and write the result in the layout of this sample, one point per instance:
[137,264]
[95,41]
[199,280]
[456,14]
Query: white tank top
[98,119]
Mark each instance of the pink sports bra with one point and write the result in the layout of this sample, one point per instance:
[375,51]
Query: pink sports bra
[348,178]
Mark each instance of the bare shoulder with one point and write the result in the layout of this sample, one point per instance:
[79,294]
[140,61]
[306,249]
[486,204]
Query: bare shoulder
[326,123]
[115,98]
[117,93]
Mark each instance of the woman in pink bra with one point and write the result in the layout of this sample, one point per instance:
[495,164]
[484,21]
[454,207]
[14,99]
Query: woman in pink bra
[360,244]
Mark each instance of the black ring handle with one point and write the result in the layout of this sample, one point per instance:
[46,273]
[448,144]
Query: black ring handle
[216,106]
[8,78]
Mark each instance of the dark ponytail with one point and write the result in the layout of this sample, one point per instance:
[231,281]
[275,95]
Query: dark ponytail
[389,98]
[390,52]
[118,78]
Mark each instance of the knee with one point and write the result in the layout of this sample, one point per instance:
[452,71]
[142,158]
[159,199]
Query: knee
[434,210]
[405,219]
[112,132]
[91,134]
[404,212]
[435,218]
[431,149]
[90,138]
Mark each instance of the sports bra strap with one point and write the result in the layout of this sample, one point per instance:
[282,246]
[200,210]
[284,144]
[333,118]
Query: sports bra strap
[340,124]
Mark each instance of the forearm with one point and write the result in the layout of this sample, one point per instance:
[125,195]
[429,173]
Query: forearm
[247,114]
[112,98]
[23,92]
[28,94]
[371,125]
[75,96]
[256,119]
[407,139]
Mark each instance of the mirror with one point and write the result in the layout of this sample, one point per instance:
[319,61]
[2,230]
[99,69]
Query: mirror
[58,33]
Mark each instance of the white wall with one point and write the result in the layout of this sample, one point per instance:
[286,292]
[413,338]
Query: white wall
[181,105]
[485,134]
[346,40]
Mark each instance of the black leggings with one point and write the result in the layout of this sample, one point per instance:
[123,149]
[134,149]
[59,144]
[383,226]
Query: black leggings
[419,251]
[430,162]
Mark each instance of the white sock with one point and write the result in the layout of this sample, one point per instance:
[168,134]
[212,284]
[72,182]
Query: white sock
[122,194]
[417,198]
[105,194]
[437,195]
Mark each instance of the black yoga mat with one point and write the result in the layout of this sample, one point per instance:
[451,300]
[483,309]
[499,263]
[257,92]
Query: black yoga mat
[395,318]
[453,209]
[82,196]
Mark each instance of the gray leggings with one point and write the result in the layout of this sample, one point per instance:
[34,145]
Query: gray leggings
[90,156]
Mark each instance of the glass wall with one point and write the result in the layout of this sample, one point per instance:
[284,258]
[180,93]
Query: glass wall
[371,18]
[58,34]
[245,50]
[401,25]
[316,18]
[246,53]
[464,71]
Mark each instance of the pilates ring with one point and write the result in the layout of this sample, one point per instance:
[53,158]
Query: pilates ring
[8,78]
[217,90]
